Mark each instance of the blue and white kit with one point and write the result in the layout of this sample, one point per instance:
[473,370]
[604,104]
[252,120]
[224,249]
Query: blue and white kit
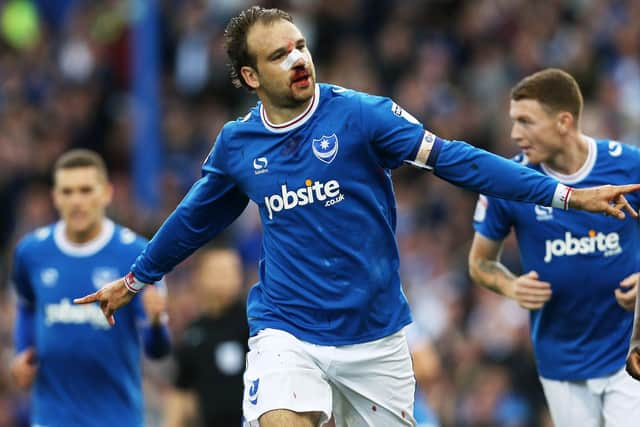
[581,332]
[322,182]
[88,372]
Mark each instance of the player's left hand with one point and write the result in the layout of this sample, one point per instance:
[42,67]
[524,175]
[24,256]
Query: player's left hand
[608,199]
[627,297]
[111,297]
[633,363]
[154,302]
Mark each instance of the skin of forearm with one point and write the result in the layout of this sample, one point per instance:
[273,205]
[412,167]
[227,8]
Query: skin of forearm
[493,275]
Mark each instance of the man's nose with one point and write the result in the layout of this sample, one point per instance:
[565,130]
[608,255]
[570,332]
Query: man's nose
[516,135]
[294,59]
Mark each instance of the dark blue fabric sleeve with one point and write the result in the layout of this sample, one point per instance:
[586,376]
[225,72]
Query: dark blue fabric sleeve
[395,134]
[492,218]
[210,206]
[474,169]
[20,275]
[24,328]
[156,340]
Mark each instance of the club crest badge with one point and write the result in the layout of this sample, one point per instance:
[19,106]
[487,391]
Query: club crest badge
[325,148]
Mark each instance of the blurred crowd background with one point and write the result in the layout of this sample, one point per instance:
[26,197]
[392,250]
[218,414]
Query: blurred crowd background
[66,81]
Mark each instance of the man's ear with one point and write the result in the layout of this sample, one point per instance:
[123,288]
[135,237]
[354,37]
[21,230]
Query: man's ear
[564,122]
[250,76]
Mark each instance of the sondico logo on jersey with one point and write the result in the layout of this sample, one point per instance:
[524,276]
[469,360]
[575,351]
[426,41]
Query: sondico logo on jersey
[312,192]
[607,244]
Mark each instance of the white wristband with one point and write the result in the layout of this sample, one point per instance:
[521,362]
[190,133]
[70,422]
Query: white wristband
[561,197]
[132,284]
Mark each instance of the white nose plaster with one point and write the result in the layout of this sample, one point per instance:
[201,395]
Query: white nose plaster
[291,59]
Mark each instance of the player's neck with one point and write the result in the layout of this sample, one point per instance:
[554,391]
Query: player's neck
[279,115]
[572,157]
[84,236]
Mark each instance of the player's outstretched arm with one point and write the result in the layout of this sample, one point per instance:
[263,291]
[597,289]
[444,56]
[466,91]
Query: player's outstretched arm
[111,297]
[633,360]
[478,170]
[486,270]
[608,199]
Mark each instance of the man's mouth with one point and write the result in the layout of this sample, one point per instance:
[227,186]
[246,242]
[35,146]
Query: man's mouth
[300,76]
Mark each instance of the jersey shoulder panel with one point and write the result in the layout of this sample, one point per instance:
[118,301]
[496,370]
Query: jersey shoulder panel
[249,120]
[609,150]
[35,240]
[128,239]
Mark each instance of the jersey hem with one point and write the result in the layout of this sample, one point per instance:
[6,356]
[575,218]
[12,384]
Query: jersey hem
[597,374]
[330,341]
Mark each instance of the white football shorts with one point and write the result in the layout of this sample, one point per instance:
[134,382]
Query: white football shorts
[612,401]
[368,384]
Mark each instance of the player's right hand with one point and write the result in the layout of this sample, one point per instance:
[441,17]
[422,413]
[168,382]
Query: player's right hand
[633,363]
[608,199]
[24,368]
[111,297]
[530,292]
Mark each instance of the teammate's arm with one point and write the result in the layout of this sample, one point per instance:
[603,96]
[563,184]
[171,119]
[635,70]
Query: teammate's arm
[24,366]
[486,270]
[155,334]
[633,361]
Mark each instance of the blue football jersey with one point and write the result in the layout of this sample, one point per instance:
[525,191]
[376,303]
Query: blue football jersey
[89,373]
[329,271]
[581,332]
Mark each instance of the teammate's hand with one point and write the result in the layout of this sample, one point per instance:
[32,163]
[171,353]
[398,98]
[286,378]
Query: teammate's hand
[111,297]
[608,199]
[633,363]
[627,298]
[24,368]
[530,292]
[154,302]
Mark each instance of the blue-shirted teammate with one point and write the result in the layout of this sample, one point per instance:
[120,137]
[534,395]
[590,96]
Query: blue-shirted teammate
[579,283]
[328,313]
[82,372]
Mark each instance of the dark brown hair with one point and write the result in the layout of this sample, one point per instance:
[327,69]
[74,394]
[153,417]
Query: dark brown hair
[235,38]
[554,89]
[80,158]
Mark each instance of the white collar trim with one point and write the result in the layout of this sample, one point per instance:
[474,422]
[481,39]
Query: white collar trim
[584,170]
[83,249]
[296,122]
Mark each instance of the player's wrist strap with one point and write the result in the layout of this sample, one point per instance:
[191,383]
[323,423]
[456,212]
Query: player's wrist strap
[561,197]
[132,284]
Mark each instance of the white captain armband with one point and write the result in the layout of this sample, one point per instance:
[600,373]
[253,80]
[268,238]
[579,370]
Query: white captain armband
[561,197]
[427,152]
